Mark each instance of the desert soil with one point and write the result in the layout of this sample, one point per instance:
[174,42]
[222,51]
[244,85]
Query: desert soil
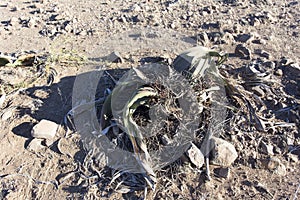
[259,33]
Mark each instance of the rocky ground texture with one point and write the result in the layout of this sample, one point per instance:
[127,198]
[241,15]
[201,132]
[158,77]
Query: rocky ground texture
[48,43]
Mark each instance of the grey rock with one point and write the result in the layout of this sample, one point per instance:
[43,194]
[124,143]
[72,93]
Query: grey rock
[295,66]
[275,165]
[223,152]
[138,18]
[45,129]
[242,51]
[223,172]
[243,38]
[262,53]
[15,8]
[259,41]
[114,57]
[196,156]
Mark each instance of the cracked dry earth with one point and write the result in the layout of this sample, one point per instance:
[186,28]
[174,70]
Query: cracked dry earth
[261,37]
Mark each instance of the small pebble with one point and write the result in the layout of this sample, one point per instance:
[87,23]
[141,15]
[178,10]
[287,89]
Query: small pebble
[278,72]
[195,156]
[223,152]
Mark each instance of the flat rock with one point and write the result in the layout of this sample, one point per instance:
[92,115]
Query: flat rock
[293,157]
[275,165]
[243,38]
[223,172]
[262,53]
[196,156]
[223,152]
[114,57]
[35,145]
[45,129]
[243,52]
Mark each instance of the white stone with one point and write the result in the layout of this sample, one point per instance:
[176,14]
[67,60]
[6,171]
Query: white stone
[35,145]
[223,152]
[195,156]
[45,129]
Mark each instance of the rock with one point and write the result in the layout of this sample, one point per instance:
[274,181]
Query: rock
[114,57]
[269,64]
[173,25]
[259,41]
[195,156]
[242,52]
[215,36]
[68,26]
[223,152]
[223,172]
[14,9]
[266,148]
[32,22]
[151,59]
[136,8]
[286,61]
[293,157]
[295,66]
[7,113]
[49,142]
[203,37]
[278,72]
[262,53]
[227,38]
[2,98]
[45,129]
[243,38]
[280,170]
[138,18]
[274,164]
[35,145]
[69,146]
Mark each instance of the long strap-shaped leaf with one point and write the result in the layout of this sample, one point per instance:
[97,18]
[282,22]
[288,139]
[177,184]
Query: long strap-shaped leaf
[140,98]
[195,61]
